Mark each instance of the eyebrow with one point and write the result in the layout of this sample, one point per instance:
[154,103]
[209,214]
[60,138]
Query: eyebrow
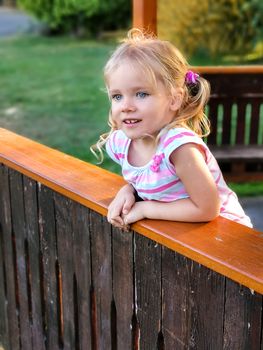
[135,88]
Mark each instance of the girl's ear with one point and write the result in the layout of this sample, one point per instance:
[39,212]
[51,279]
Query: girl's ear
[177,99]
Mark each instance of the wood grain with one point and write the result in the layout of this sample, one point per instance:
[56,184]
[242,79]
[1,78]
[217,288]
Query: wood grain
[229,248]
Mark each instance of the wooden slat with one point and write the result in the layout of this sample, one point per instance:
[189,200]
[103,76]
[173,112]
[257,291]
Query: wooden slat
[33,244]
[255,119]
[226,126]
[241,121]
[8,255]
[246,306]
[95,188]
[248,153]
[205,311]
[48,253]
[63,210]
[102,279]
[4,333]
[82,268]
[175,284]
[18,220]
[213,117]
[148,290]
[122,243]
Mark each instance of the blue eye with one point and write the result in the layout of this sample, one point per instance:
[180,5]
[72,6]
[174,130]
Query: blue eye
[116,97]
[142,94]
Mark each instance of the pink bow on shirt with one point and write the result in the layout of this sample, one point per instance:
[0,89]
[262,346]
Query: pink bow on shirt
[157,159]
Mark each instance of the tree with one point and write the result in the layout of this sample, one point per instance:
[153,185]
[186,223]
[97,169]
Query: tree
[221,27]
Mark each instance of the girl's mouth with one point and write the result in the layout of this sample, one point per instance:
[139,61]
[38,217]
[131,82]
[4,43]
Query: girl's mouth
[131,121]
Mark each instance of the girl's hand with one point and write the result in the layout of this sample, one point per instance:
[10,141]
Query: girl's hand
[135,214]
[120,206]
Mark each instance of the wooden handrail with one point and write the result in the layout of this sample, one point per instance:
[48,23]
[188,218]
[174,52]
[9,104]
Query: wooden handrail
[253,69]
[231,249]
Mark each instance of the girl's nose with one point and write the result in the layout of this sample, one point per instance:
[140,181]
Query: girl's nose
[127,105]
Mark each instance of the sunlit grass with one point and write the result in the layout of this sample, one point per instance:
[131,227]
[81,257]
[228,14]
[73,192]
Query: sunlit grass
[52,91]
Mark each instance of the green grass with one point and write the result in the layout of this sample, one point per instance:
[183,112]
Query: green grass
[52,92]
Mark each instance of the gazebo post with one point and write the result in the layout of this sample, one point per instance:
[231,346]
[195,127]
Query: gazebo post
[145,15]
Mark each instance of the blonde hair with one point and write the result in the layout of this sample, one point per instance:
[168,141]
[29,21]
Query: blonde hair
[160,60]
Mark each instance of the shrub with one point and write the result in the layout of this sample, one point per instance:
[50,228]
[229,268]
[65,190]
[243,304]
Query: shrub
[80,17]
[221,27]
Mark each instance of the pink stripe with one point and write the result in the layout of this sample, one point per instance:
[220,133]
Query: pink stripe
[159,189]
[119,155]
[179,136]
[144,177]
[218,179]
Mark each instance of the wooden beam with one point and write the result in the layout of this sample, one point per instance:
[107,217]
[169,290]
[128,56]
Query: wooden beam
[145,15]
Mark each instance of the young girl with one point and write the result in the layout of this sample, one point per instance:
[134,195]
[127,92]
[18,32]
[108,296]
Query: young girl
[157,120]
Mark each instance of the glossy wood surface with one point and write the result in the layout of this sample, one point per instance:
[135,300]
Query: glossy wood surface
[233,250]
[145,15]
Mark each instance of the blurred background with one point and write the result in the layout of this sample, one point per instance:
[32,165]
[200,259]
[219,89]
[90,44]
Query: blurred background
[53,53]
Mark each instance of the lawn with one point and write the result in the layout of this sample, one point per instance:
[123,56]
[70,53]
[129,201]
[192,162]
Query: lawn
[52,91]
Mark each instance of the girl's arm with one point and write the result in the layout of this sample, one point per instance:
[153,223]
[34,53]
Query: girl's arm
[203,203]
[121,205]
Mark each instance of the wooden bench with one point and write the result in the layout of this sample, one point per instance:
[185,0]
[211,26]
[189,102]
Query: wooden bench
[68,280]
[234,108]
[235,111]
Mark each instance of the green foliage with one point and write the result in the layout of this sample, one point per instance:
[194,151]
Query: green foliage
[80,17]
[220,27]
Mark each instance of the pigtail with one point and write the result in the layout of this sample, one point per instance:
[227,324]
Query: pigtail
[192,111]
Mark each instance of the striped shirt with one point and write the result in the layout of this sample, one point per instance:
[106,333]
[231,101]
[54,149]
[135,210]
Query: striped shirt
[157,180]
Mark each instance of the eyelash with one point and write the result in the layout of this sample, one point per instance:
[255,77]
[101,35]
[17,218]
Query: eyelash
[145,94]
[139,94]
[116,97]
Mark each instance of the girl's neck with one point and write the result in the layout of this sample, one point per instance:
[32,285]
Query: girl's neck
[141,151]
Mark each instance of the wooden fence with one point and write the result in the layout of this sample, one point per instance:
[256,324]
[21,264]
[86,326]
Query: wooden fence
[68,280]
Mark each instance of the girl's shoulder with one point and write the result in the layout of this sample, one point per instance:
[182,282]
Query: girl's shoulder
[177,137]
[116,145]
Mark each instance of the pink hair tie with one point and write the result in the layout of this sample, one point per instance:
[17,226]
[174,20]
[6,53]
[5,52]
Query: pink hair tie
[191,77]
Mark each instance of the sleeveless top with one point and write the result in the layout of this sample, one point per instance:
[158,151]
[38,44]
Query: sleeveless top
[157,180]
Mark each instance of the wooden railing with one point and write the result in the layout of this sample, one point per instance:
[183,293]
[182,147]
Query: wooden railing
[68,280]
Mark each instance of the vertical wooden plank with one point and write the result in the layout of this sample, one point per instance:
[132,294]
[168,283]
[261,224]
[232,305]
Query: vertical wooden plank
[31,216]
[18,219]
[102,279]
[243,318]
[176,309]
[49,285]
[227,116]
[241,121]
[82,268]
[207,308]
[213,118]
[123,291]
[255,118]
[148,290]
[145,15]
[4,334]
[193,304]
[8,254]
[63,210]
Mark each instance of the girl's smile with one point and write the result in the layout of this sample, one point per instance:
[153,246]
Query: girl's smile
[139,108]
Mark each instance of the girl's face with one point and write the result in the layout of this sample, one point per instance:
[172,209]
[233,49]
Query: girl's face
[137,107]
